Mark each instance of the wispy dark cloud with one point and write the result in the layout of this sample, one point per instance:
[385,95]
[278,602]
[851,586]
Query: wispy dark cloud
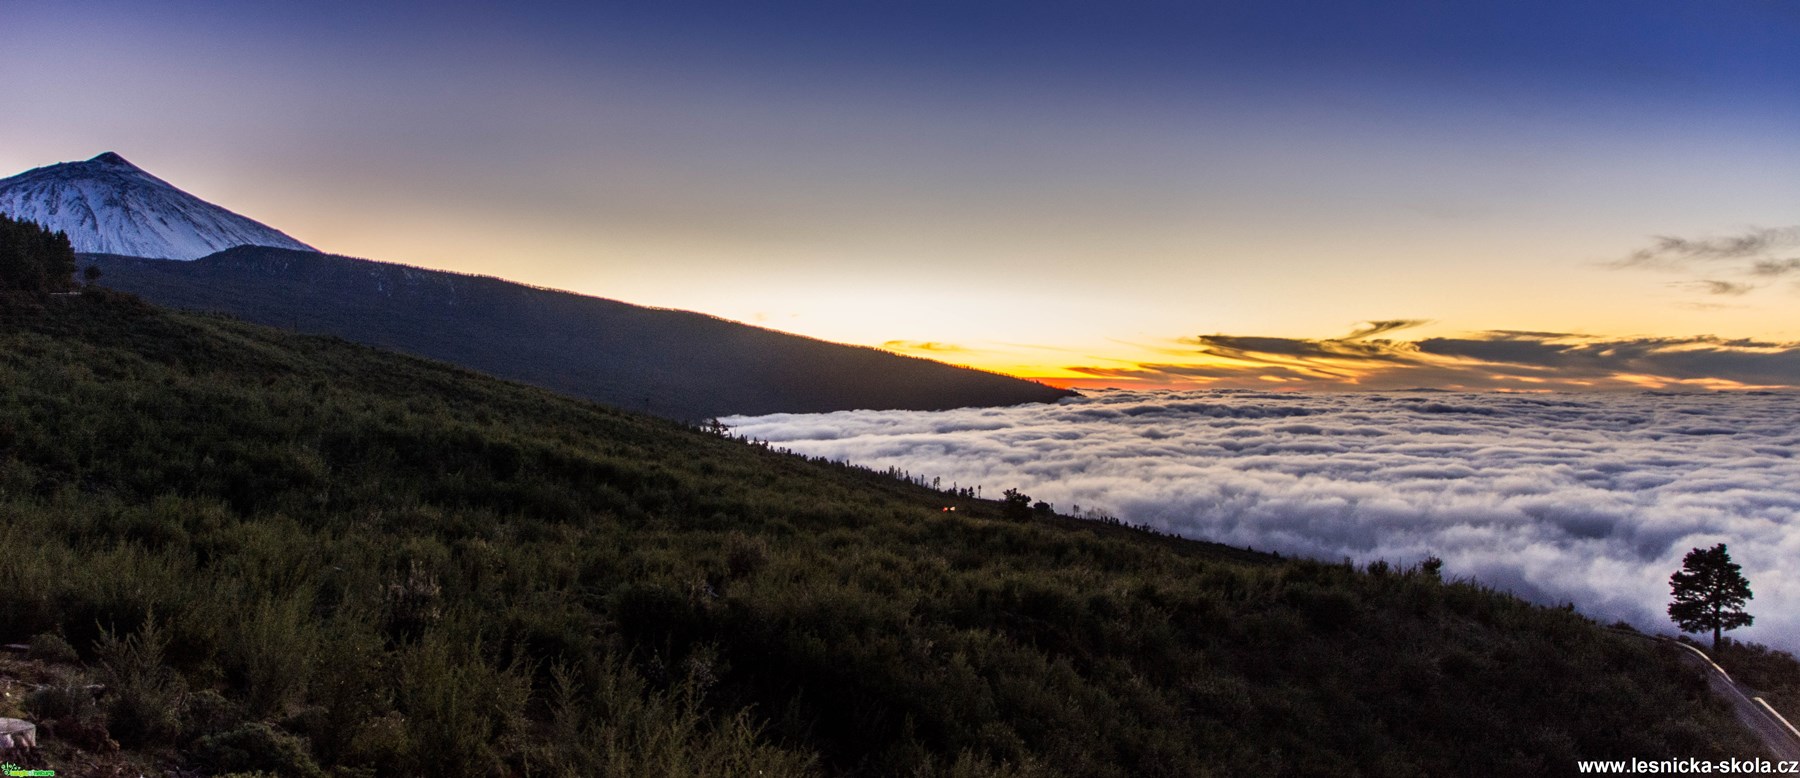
[1373,328]
[1591,498]
[1667,250]
[922,345]
[1634,361]
[1491,360]
[1759,253]
[1265,350]
[1770,268]
[1727,288]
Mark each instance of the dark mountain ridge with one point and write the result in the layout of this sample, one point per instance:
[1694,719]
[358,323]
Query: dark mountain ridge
[678,364]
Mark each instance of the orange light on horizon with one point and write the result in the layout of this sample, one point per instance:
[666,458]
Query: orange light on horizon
[1277,364]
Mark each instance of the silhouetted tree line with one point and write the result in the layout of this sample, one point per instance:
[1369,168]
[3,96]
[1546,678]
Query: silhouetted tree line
[34,259]
[714,426]
[1015,505]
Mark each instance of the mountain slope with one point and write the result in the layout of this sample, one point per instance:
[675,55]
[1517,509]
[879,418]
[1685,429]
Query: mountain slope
[108,205]
[283,553]
[673,363]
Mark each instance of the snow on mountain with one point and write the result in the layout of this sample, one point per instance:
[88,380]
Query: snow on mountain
[110,206]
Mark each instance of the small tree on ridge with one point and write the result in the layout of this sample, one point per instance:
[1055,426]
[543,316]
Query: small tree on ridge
[1710,591]
[1016,505]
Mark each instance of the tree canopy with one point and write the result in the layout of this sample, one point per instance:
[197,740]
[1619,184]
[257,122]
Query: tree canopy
[34,259]
[1710,591]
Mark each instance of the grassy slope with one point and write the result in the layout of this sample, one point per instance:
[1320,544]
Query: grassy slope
[277,550]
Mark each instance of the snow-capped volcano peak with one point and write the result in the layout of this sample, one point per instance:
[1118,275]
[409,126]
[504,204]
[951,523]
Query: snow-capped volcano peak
[110,206]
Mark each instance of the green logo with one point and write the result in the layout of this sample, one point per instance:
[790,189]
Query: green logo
[12,769]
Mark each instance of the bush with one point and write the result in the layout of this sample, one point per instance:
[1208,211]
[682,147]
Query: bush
[143,695]
[461,712]
[69,713]
[208,712]
[62,701]
[50,647]
[744,555]
[257,746]
[272,648]
[382,743]
[413,603]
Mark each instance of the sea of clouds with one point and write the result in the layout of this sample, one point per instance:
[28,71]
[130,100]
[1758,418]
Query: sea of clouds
[1585,498]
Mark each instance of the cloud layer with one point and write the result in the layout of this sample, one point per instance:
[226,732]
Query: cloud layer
[1591,499]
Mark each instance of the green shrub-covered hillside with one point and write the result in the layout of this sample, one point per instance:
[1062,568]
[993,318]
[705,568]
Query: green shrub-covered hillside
[299,556]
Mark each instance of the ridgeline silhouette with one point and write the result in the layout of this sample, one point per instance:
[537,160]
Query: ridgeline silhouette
[678,364]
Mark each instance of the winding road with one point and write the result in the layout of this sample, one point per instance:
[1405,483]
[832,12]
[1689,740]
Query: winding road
[1777,733]
[1782,739]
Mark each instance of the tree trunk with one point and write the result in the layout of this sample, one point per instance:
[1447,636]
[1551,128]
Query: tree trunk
[1718,621]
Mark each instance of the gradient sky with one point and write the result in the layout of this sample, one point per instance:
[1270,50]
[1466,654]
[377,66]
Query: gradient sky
[1094,192]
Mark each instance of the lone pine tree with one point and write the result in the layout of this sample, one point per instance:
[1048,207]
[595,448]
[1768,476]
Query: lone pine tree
[1710,591]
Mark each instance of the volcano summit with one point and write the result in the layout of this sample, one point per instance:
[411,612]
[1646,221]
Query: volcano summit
[110,206]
